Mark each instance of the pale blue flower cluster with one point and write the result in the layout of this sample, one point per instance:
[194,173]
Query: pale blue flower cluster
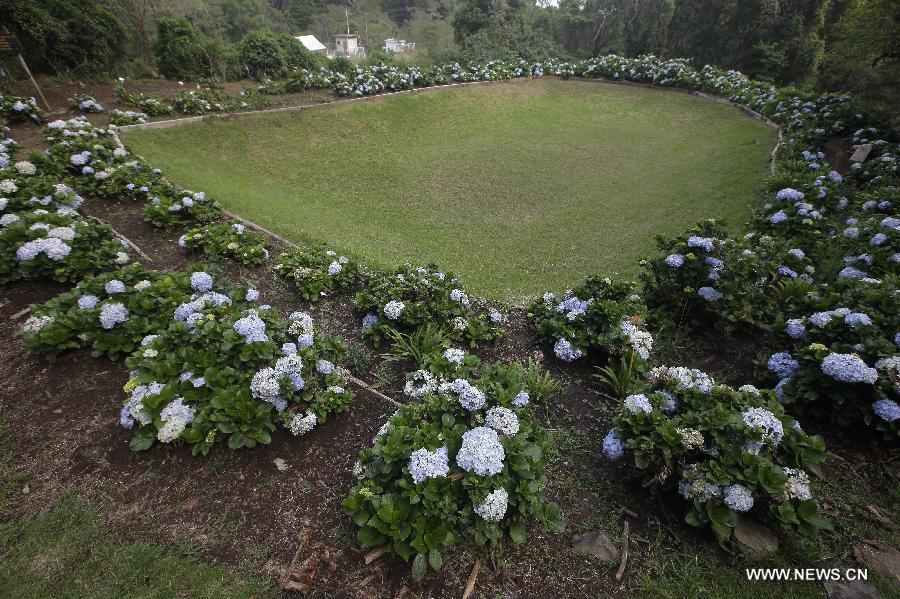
[494,506]
[638,403]
[613,446]
[251,328]
[706,243]
[738,498]
[424,464]
[521,399]
[886,409]
[848,368]
[470,397]
[565,351]
[675,260]
[783,364]
[503,420]
[201,281]
[709,294]
[112,314]
[481,452]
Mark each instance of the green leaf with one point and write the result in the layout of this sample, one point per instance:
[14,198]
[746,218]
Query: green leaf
[419,567]
[435,560]
[517,533]
[369,537]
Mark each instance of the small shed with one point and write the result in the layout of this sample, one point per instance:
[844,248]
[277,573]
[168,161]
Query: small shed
[311,43]
[347,44]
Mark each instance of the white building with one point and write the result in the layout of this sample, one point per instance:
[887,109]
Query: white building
[347,44]
[395,45]
[311,43]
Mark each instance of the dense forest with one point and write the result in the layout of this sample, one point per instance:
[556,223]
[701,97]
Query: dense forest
[833,45]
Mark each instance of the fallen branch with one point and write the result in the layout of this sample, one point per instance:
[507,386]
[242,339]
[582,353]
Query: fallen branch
[473,576]
[286,582]
[621,571]
[130,243]
[21,313]
[375,554]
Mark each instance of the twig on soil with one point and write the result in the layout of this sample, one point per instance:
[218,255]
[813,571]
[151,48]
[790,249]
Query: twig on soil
[621,571]
[130,243]
[21,313]
[375,392]
[375,554]
[286,579]
[473,576]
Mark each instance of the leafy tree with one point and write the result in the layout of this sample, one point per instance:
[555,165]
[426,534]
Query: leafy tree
[185,52]
[65,36]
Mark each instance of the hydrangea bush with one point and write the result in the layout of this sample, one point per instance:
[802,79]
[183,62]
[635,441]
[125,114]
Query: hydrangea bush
[463,459]
[61,247]
[229,239]
[20,110]
[414,296]
[222,370]
[730,453]
[113,312]
[599,319]
[316,272]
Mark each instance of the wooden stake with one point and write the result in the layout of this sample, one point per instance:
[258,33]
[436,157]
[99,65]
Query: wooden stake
[621,571]
[33,82]
[473,576]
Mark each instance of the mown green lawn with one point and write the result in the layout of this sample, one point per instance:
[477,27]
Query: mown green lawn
[519,187]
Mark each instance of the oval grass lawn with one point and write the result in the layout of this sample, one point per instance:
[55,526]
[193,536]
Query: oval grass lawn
[518,188]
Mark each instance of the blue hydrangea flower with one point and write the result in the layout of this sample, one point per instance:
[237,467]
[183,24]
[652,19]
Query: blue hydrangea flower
[848,368]
[675,260]
[783,364]
[565,351]
[738,498]
[613,446]
[886,409]
[201,281]
[795,328]
[709,294]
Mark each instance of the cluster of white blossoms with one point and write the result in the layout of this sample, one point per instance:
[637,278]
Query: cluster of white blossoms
[459,296]
[503,420]
[420,384]
[690,438]
[302,326]
[393,309]
[424,464]
[469,396]
[765,421]
[640,341]
[494,506]
[302,424]
[481,452]
[266,386]
[638,403]
[684,378]
[454,356]
[133,410]
[176,417]
[797,486]
[36,323]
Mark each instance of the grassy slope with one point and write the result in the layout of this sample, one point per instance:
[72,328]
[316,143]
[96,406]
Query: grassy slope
[518,188]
